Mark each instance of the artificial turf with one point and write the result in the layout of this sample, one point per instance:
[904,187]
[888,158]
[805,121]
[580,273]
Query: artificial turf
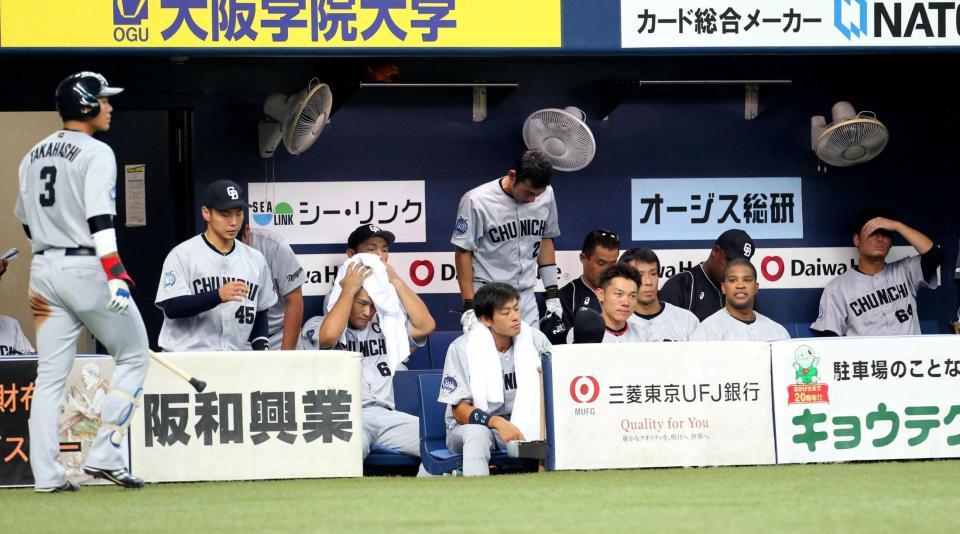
[863,497]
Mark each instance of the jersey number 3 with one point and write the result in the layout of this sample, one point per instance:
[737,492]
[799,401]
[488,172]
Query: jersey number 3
[48,175]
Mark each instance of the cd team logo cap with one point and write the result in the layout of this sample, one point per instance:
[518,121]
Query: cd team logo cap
[223,195]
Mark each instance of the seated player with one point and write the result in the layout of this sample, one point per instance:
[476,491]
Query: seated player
[483,377]
[657,320]
[737,320]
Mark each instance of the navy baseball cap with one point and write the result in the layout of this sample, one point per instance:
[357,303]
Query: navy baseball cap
[223,195]
[366,231]
[736,244]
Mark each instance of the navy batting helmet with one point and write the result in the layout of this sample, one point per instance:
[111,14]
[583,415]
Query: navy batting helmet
[77,95]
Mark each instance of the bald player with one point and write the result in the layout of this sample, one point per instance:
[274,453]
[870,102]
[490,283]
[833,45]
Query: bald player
[354,324]
[66,203]
[286,315]
[876,298]
[504,232]
[214,290]
[737,320]
[656,319]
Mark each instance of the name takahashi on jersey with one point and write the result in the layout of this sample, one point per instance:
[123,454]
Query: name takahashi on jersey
[67,151]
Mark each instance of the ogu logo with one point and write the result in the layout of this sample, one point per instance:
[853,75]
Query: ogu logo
[129,12]
[851,21]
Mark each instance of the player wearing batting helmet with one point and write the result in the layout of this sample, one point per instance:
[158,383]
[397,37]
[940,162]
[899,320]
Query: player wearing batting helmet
[67,205]
[877,298]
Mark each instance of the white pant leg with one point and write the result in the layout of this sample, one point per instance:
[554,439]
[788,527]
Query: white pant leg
[400,431]
[57,333]
[475,443]
[528,308]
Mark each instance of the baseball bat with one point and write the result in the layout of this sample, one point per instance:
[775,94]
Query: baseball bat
[198,385]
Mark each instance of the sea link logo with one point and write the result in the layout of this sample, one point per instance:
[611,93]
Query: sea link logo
[850,28]
[265,214]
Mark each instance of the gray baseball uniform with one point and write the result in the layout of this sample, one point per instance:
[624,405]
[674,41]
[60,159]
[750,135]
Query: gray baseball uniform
[285,271]
[504,237]
[885,304]
[382,424]
[671,324]
[195,266]
[12,340]
[721,326]
[475,442]
[66,179]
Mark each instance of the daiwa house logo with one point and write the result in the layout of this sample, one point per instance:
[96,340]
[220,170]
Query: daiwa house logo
[850,20]
[129,12]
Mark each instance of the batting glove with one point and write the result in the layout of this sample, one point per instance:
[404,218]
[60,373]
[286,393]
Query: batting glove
[468,320]
[119,295]
[554,307]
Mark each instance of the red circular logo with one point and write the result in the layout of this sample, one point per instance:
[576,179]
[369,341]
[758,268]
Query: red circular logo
[414,275]
[584,389]
[765,268]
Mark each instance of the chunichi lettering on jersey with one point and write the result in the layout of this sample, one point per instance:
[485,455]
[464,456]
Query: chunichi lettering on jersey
[878,298]
[508,231]
[213,283]
[370,347]
[510,381]
[63,150]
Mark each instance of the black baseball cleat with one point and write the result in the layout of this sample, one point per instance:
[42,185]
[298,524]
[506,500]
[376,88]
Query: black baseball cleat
[67,486]
[120,477]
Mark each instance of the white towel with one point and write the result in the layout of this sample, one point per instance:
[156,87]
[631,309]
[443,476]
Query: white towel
[486,376]
[393,318]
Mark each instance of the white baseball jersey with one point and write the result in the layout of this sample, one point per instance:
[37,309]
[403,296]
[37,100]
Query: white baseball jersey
[68,177]
[12,340]
[721,326]
[455,385]
[285,271]
[371,343]
[671,324]
[194,267]
[504,235]
[885,304]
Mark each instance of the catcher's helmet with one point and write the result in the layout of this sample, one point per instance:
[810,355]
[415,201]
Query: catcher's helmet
[77,95]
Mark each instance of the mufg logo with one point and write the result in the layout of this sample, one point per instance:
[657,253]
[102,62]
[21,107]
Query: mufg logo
[129,12]
[850,17]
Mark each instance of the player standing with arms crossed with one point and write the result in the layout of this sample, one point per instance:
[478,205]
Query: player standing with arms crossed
[66,204]
[504,233]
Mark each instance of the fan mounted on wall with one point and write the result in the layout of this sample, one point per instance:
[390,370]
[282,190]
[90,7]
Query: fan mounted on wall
[563,135]
[300,119]
[852,138]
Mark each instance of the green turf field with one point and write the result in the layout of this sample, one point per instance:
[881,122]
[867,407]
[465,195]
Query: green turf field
[867,497]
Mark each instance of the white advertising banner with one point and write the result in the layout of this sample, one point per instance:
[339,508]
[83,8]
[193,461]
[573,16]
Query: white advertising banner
[262,416]
[848,24]
[306,213]
[777,268]
[867,398]
[660,404]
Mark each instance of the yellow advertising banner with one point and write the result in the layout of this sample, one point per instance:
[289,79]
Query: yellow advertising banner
[280,24]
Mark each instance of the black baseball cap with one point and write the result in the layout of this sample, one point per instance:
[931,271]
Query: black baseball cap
[223,195]
[736,244]
[366,231]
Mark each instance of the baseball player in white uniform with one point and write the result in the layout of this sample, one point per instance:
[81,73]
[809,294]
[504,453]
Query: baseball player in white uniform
[214,290]
[504,233]
[617,293]
[471,431]
[66,204]
[12,340]
[876,298]
[737,320]
[285,317]
[656,319]
[353,324]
